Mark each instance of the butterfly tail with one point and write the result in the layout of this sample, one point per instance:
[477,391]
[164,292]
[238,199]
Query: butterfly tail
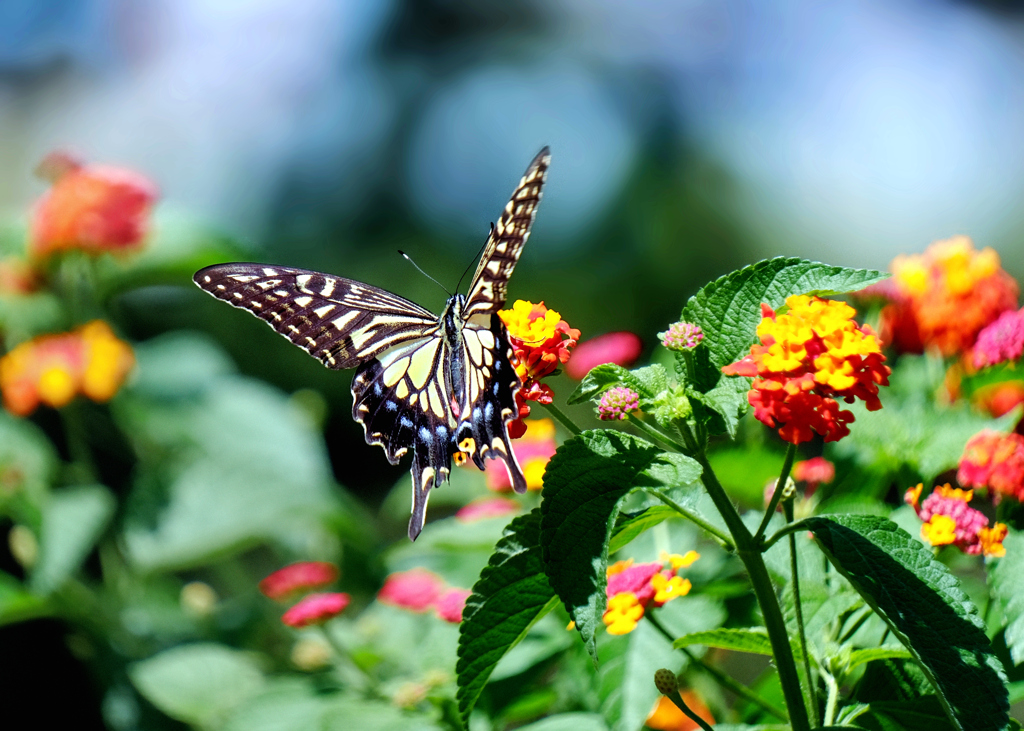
[431,466]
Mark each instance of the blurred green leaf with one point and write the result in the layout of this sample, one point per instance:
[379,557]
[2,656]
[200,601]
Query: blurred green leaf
[1006,582]
[511,595]
[568,722]
[925,608]
[545,639]
[24,316]
[28,461]
[583,485]
[629,527]
[284,704]
[729,309]
[745,472]
[199,683]
[626,676]
[178,365]
[18,604]
[753,640]
[73,520]
[348,713]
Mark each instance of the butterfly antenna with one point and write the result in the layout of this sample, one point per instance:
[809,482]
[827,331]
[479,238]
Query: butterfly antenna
[409,259]
[478,255]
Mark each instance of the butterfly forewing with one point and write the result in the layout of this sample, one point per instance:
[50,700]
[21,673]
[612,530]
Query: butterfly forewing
[489,287]
[339,321]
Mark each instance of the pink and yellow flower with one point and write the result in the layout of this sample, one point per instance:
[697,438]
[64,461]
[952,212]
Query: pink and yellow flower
[299,577]
[995,461]
[808,358]
[633,588]
[315,609]
[90,208]
[53,369]
[533,450]
[948,520]
[943,298]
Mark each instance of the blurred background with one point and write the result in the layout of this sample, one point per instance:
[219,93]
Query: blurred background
[689,137]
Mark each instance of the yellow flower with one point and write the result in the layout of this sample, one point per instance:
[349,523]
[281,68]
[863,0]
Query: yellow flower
[623,612]
[939,531]
[679,562]
[667,589]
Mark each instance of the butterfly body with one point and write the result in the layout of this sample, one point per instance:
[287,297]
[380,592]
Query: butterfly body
[442,385]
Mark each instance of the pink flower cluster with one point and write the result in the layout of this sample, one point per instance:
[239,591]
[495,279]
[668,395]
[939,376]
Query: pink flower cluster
[300,577]
[618,403]
[948,520]
[419,590]
[634,588]
[1000,341]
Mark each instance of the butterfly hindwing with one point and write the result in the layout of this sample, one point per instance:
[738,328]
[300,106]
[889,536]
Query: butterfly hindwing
[489,287]
[340,321]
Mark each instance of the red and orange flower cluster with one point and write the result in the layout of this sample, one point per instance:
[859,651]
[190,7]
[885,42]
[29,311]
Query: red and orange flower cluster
[948,520]
[298,578]
[809,358]
[419,590]
[541,341]
[53,369]
[634,588]
[994,461]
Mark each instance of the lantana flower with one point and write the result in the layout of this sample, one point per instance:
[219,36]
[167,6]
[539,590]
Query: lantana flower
[450,605]
[808,358]
[633,588]
[541,341]
[487,507]
[53,369]
[419,590]
[682,336]
[1001,340]
[299,577]
[316,609]
[533,450]
[948,520]
[618,403]
[90,208]
[621,348]
[814,472]
[943,298]
[995,461]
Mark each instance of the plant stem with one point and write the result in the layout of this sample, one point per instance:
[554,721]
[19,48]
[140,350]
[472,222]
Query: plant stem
[749,552]
[812,703]
[656,434]
[780,488]
[563,419]
[681,705]
[719,535]
[833,696]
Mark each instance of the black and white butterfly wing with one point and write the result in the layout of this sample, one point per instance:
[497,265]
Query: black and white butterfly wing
[489,287]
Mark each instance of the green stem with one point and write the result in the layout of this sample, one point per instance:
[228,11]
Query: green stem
[83,465]
[656,434]
[681,705]
[812,704]
[833,696]
[749,552]
[563,419]
[719,535]
[780,488]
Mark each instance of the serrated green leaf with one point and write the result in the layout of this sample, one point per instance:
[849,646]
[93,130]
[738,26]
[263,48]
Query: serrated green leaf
[729,309]
[583,484]
[1006,581]
[199,683]
[73,520]
[918,714]
[868,654]
[511,594]
[754,640]
[648,381]
[729,400]
[925,608]
[629,527]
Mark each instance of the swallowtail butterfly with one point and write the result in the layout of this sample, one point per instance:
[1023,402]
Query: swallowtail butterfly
[444,386]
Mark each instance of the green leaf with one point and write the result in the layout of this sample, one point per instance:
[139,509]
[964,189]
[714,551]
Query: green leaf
[1006,581]
[199,683]
[568,722]
[73,520]
[511,594]
[729,401]
[729,309]
[28,460]
[925,608]
[350,713]
[628,527]
[919,714]
[754,640]
[16,603]
[626,677]
[583,484]
[868,654]
[648,381]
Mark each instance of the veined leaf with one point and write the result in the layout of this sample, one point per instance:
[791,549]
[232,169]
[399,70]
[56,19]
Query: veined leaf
[511,594]
[583,485]
[867,654]
[925,608]
[648,381]
[753,640]
[1006,581]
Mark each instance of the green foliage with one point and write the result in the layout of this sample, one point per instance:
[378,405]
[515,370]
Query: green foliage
[901,580]
[1006,581]
[583,485]
[73,520]
[754,640]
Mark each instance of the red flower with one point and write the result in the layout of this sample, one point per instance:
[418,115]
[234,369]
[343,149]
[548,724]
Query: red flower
[315,609]
[999,398]
[814,472]
[416,590]
[91,208]
[808,358]
[620,348]
[488,507]
[995,461]
[301,576]
[450,605]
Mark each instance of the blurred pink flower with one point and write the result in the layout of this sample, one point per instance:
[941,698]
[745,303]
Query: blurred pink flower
[300,576]
[533,450]
[487,507]
[814,472]
[315,609]
[1000,340]
[416,590]
[449,607]
[621,348]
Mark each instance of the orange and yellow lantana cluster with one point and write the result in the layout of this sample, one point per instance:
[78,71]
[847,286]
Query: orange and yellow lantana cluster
[948,520]
[53,369]
[808,358]
[634,588]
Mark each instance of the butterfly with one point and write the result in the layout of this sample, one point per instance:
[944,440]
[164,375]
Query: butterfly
[443,386]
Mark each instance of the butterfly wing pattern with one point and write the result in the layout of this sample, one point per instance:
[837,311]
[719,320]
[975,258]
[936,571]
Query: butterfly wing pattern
[444,386]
